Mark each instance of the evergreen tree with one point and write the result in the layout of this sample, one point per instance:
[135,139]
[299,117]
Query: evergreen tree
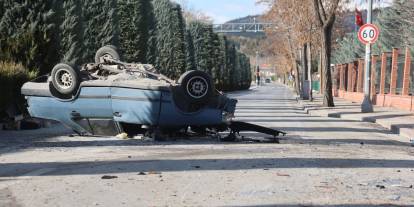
[237,72]
[100,26]
[222,72]
[152,53]
[2,9]
[137,27]
[231,66]
[396,24]
[350,48]
[109,32]
[190,60]
[204,46]
[196,30]
[29,33]
[389,25]
[179,40]
[170,38]
[216,58]
[92,25]
[130,18]
[71,32]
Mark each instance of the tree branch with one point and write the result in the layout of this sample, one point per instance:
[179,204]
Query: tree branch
[317,12]
[331,17]
[322,10]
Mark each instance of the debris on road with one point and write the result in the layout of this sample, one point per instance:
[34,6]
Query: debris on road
[394,197]
[154,173]
[282,175]
[149,173]
[108,177]
[122,136]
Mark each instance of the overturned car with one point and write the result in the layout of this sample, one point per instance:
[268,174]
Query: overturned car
[109,97]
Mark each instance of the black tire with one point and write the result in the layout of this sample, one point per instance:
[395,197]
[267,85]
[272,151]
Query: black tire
[197,86]
[65,79]
[108,50]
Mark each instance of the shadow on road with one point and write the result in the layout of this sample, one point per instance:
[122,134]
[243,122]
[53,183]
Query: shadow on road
[337,205]
[173,165]
[293,120]
[334,129]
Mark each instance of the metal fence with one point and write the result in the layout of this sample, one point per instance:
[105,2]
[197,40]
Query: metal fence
[388,69]
[378,76]
[400,73]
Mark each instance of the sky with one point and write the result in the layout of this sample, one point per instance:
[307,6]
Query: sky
[224,10]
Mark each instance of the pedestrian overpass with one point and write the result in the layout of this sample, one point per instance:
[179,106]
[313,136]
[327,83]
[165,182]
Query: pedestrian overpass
[242,29]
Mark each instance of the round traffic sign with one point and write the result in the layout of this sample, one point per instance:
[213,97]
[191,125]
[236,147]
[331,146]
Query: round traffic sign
[368,34]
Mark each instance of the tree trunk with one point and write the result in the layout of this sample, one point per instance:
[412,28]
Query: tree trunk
[320,69]
[326,56]
[304,69]
[309,57]
[294,64]
[297,77]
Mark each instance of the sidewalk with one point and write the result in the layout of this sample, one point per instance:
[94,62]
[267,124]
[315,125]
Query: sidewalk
[397,121]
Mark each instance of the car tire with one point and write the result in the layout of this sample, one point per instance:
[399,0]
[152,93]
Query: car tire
[108,50]
[197,86]
[65,79]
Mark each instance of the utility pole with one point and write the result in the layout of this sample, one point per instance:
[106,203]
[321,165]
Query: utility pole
[366,106]
[257,69]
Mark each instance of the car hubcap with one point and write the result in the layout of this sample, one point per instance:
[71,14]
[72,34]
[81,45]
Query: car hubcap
[106,56]
[64,79]
[197,87]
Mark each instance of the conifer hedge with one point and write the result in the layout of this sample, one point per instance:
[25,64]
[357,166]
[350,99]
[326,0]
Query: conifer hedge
[40,34]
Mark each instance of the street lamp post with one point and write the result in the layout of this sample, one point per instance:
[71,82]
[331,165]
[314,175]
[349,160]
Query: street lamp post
[366,106]
[257,69]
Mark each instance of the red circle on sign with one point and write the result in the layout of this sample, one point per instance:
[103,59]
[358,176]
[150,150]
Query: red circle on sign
[369,28]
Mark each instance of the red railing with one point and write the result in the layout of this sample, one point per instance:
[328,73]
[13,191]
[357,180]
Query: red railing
[392,80]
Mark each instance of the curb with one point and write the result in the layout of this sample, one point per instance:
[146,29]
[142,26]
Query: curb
[395,128]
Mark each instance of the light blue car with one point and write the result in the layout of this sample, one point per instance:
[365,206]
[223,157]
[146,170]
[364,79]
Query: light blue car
[111,97]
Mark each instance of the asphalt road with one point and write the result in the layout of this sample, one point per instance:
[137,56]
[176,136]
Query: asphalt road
[322,162]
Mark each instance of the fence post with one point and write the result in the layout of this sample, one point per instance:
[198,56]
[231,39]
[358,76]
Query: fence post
[360,79]
[335,82]
[394,72]
[341,77]
[383,72]
[374,76]
[407,71]
[349,86]
[355,77]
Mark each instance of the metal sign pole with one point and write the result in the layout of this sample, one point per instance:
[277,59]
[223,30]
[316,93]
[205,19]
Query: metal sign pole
[257,69]
[366,106]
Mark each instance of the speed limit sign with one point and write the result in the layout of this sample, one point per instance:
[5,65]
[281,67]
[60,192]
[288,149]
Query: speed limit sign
[368,34]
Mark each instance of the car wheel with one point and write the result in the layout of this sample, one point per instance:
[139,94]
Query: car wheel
[106,51]
[197,86]
[65,79]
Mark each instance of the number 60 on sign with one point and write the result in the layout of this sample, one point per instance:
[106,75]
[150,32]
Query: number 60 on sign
[368,34]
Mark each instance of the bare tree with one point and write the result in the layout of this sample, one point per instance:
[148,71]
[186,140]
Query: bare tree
[294,27]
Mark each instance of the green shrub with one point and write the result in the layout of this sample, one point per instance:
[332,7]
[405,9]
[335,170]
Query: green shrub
[12,77]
